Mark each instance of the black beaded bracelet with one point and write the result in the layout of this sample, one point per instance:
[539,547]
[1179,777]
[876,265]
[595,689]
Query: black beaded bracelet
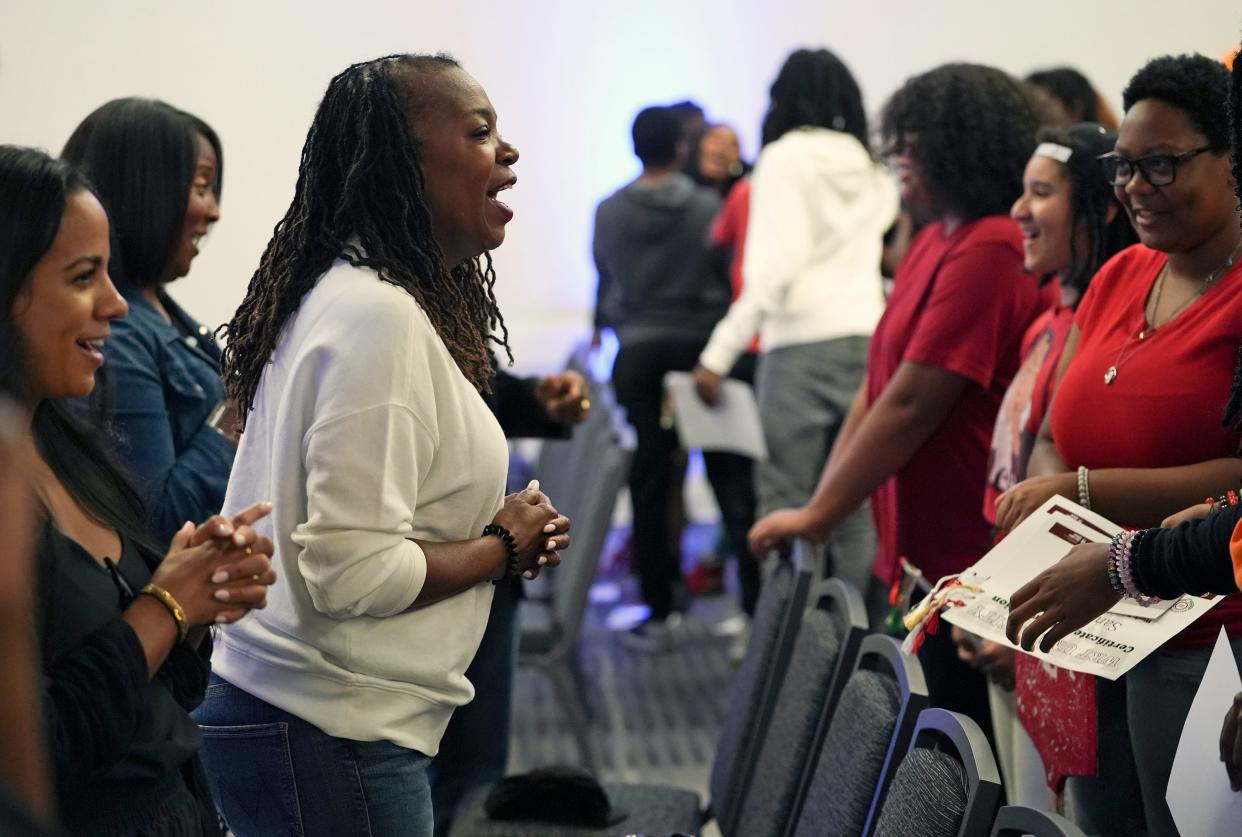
[510,542]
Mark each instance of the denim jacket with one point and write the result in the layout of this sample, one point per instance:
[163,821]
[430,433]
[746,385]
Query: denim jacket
[159,385]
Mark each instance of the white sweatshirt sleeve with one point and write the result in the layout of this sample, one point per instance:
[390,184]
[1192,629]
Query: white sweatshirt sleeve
[779,242]
[363,473]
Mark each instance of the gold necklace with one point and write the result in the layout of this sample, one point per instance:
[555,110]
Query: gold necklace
[1146,331]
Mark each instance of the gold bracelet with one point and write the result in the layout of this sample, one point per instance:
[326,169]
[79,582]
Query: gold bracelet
[170,604]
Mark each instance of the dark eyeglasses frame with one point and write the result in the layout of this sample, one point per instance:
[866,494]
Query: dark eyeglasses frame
[1142,163]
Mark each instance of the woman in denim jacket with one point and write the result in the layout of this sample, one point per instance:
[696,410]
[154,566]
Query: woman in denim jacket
[159,172]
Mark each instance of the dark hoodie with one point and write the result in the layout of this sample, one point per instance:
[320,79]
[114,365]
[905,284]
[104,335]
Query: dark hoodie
[659,276]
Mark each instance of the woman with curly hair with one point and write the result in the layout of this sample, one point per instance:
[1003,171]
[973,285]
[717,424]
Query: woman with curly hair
[357,359]
[1154,349]
[916,439]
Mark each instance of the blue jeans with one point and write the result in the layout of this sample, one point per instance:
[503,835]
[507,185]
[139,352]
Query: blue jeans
[273,773]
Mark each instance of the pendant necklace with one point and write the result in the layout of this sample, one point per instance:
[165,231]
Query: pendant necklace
[1146,331]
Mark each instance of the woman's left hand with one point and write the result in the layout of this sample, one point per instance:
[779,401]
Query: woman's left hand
[1019,502]
[1062,598]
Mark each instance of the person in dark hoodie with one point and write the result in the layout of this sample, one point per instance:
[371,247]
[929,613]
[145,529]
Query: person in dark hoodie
[662,288]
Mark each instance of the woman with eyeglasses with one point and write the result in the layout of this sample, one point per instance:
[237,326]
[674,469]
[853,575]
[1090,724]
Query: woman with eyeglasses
[1136,431]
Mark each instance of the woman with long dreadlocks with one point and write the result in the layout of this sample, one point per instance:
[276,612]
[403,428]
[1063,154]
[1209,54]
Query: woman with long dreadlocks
[357,360]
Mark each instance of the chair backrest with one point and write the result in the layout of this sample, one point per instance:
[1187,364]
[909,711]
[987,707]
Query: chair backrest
[595,506]
[947,785]
[778,613]
[565,467]
[868,733]
[1015,820]
[824,653]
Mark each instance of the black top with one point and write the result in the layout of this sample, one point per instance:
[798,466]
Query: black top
[114,734]
[1191,558]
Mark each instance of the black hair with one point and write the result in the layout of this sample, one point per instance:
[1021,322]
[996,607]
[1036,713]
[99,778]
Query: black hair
[975,128]
[1233,407]
[141,155]
[1194,84]
[1091,197]
[814,88]
[360,197]
[657,132]
[34,191]
[1071,88]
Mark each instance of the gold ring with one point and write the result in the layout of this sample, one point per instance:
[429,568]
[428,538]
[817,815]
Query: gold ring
[254,577]
[249,551]
[584,405]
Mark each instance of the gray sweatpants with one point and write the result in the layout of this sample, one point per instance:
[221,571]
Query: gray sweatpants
[804,395]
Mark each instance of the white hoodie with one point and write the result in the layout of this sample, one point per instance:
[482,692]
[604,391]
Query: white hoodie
[364,435]
[819,208]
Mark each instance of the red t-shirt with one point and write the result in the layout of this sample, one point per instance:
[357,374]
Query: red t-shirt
[961,302]
[1164,407]
[1022,409]
[729,230]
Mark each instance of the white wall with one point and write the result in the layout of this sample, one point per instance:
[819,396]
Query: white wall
[566,76]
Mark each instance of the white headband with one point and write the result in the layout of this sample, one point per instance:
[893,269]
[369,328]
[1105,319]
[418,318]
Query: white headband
[1055,151]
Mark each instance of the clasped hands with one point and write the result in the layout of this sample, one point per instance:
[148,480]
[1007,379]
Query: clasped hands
[219,570]
[540,531]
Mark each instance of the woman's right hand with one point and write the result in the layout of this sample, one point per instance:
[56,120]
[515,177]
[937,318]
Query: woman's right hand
[527,515]
[220,570]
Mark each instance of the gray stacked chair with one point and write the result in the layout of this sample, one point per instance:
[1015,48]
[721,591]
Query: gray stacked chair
[1016,820]
[867,734]
[598,459]
[660,809]
[947,784]
[824,654]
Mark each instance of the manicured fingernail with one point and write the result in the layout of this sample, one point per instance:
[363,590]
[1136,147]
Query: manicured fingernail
[551,545]
[221,595]
[266,505]
[551,527]
[543,559]
[221,619]
[528,574]
[239,539]
[220,577]
[533,485]
[225,529]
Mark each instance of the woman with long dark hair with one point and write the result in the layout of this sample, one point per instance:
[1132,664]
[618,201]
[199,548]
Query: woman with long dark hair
[819,206]
[159,173]
[357,359]
[120,625]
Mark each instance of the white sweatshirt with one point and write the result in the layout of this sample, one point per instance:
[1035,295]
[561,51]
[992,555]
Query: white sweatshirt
[819,208]
[364,434]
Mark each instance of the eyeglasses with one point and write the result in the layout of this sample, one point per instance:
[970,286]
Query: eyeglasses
[1157,169]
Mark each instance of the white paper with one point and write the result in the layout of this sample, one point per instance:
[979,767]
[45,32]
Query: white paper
[732,425]
[1199,796]
[1107,647]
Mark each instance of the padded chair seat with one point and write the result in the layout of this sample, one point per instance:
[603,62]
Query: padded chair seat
[650,809]
[539,631]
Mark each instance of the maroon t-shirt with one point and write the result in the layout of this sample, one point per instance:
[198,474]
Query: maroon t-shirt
[1164,406]
[961,302]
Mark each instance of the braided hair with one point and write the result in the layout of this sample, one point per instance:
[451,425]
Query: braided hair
[815,88]
[1233,408]
[360,197]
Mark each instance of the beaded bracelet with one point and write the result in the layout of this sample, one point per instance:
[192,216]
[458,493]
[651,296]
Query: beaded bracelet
[1125,557]
[1084,488]
[1114,577]
[510,542]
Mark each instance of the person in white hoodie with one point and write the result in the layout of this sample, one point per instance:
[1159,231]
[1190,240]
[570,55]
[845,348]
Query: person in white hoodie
[358,360]
[820,205]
